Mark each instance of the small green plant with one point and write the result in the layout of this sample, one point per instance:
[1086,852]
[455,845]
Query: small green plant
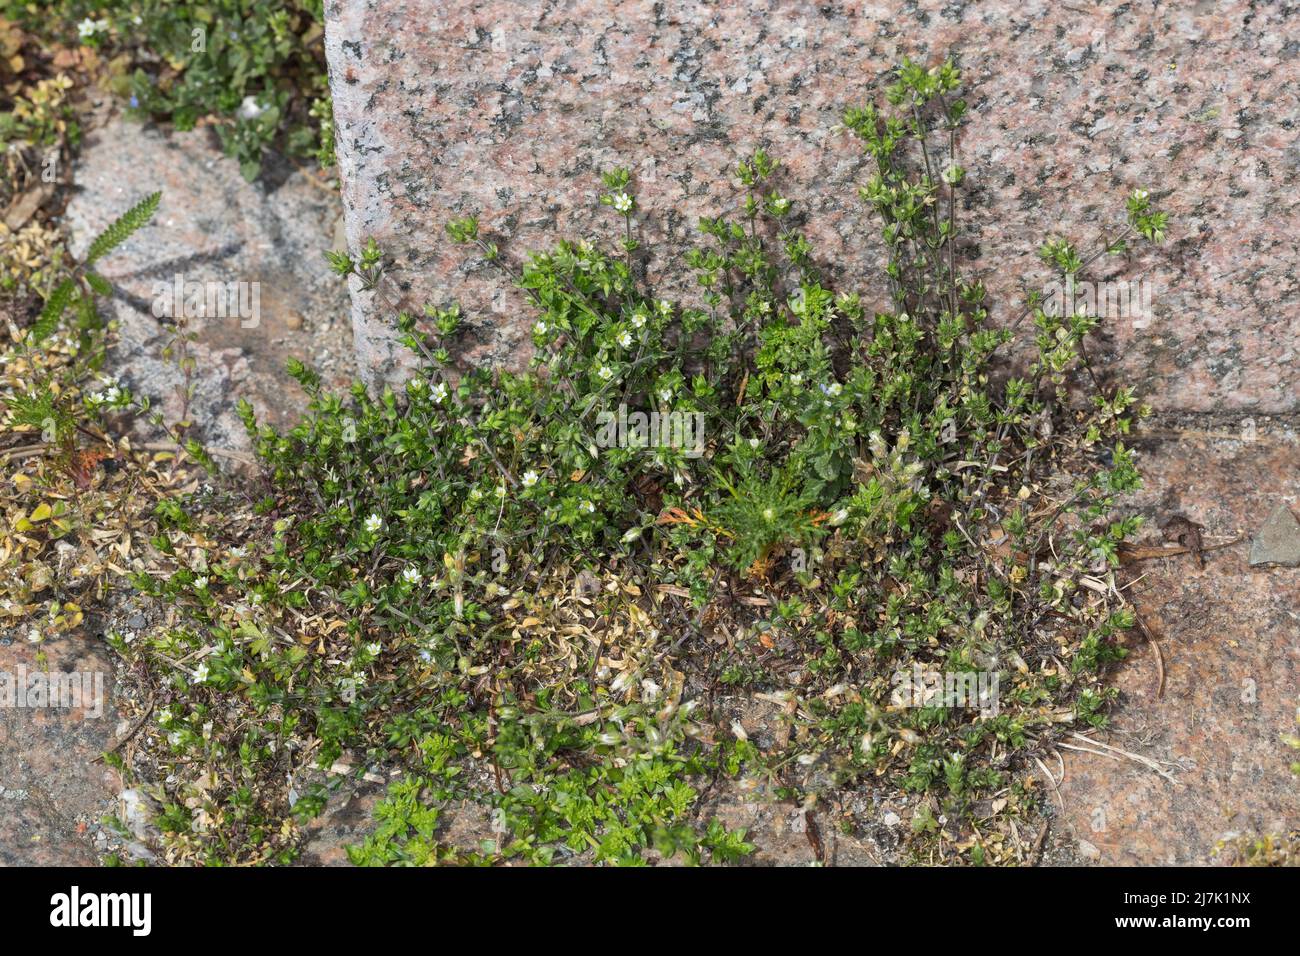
[455,579]
[254,67]
[46,407]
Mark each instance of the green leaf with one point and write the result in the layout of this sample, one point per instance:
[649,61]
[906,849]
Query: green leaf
[100,285]
[55,306]
[121,230]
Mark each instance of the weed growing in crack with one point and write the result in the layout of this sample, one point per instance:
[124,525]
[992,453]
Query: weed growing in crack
[586,652]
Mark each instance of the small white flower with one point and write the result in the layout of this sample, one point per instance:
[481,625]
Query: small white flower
[588,507]
[665,307]
[439,393]
[638,320]
[796,378]
[200,673]
[373,523]
[250,109]
[622,202]
[768,514]
[411,574]
[374,649]
[530,478]
[86,28]
[540,328]
[838,518]
[113,394]
[1140,195]
[665,395]
[501,491]
[625,339]
[833,389]
[416,384]
[201,582]
[605,373]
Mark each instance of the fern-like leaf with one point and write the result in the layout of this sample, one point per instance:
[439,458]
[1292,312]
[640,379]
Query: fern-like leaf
[55,306]
[121,230]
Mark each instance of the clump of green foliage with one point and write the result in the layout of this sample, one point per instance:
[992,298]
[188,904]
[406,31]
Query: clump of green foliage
[453,579]
[254,67]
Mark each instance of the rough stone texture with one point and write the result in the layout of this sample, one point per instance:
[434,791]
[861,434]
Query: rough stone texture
[1278,542]
[212,226]
[511,110]
[1230,639]
[52,794]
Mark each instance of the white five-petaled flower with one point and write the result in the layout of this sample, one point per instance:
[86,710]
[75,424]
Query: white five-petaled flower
[666,394]
[588,507]
[373,523]
[605,373]
[440,393]
[638,320]
[665,307]
[201,673]
[625,339]
[1140,195]
[622,202]
[833,389]
[201,582]
[411,574]
[86,28]
[415,384]
[540,328]
[374,649]
[530,478]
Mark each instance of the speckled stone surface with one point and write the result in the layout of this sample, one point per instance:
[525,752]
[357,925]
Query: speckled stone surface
[214,227]
[1229,635]
[52,792]
[510,110]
